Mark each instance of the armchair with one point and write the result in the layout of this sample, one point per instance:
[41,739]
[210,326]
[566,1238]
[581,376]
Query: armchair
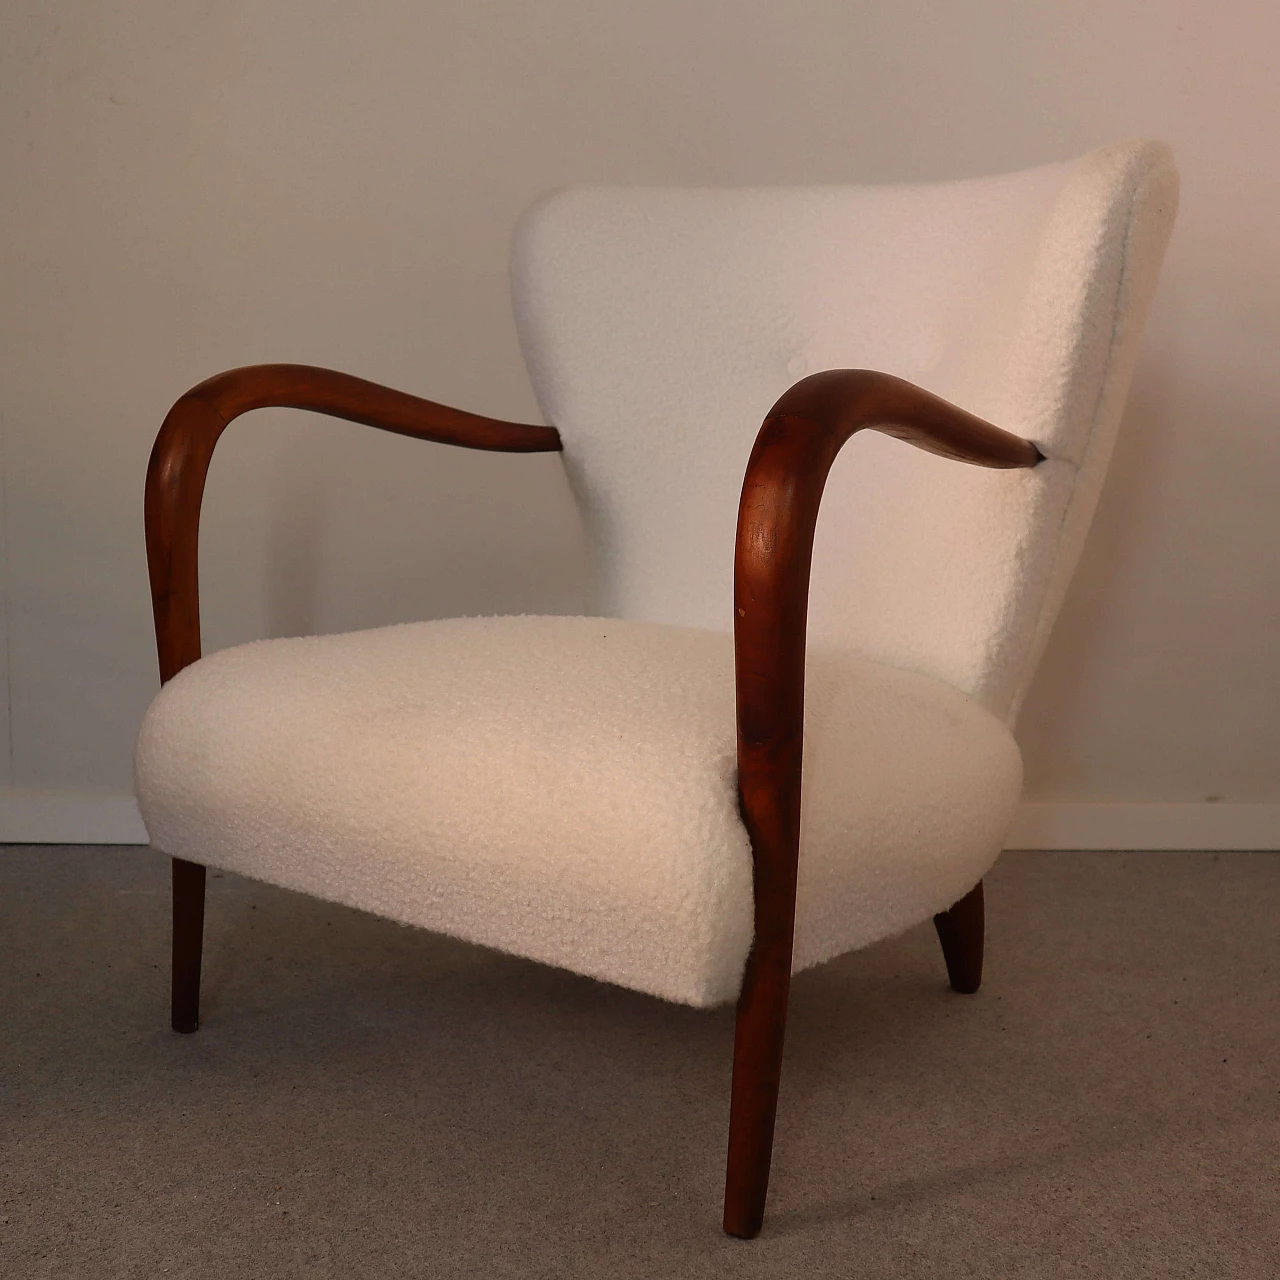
[572,789]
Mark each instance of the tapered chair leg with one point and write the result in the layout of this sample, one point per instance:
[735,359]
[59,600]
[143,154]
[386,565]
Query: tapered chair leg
[960,930]
[188,943]
[757,1069]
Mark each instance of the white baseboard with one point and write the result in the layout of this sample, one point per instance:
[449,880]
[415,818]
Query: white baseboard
[1047,825]
[29,816]
[66,817]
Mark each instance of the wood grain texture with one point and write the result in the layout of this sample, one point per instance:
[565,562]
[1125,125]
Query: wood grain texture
[183,449]
[175,484]
[781,493]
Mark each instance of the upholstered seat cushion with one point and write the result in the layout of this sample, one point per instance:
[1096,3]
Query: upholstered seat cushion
[564,789]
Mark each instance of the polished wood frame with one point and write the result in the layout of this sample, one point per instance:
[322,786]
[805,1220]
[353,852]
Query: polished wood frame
[781,493]
[777,516]
[176,477]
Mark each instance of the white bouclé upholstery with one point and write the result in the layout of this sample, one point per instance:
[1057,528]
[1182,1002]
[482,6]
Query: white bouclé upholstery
[564,788]
[660,324]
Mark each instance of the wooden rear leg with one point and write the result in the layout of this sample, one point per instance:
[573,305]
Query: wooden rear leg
[188,942]
[960,930]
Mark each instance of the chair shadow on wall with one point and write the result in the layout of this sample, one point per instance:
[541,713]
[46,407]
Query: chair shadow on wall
[1079,647]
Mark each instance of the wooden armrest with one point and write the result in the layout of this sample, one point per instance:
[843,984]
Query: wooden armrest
[180,463]
[776,520]
[785,476]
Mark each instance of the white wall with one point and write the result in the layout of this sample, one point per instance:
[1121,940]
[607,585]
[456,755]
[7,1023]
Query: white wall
[192,186]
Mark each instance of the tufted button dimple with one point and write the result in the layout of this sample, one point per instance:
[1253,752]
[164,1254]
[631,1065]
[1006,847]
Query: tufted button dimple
[797,366]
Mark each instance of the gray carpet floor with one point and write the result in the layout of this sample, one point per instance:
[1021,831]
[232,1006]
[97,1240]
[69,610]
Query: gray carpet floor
[366,1100]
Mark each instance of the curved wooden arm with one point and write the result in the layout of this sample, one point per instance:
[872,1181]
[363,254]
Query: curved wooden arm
[785,477]
[184,447]
[781,493]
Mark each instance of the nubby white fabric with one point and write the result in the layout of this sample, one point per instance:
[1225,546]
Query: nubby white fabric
[659,326]
[564,788]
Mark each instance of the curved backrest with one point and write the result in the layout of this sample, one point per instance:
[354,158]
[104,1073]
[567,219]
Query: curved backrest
[659,325]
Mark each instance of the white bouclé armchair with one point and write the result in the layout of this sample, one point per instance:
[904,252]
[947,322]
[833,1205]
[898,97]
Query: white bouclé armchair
[621,794]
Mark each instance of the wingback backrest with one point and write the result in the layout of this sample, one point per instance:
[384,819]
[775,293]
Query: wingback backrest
[660,324]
